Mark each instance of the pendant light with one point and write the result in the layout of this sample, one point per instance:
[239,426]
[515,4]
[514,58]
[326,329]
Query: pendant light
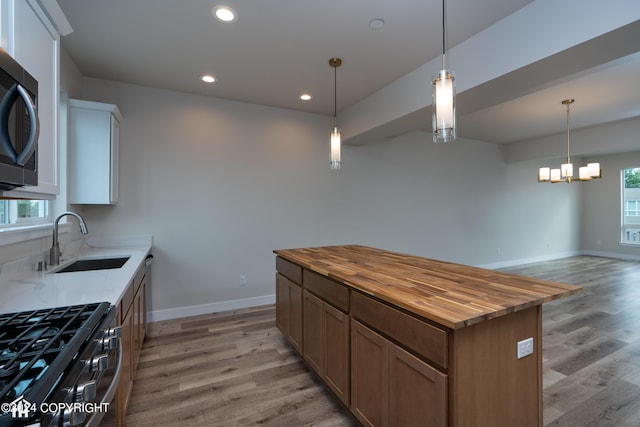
[565,172]
[336,162]
[444,95]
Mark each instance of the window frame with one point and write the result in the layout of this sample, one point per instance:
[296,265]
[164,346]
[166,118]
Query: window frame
[629,229]
[10,217]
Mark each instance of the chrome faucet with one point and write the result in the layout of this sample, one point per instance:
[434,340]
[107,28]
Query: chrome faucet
[54,252]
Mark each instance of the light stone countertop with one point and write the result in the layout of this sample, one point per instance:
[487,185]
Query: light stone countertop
[23,288]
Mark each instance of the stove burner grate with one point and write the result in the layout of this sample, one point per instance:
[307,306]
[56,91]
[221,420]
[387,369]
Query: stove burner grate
[8,370]
[39,345]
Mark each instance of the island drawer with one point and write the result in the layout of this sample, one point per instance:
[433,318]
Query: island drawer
[290,270]
[414,334]
[329,290]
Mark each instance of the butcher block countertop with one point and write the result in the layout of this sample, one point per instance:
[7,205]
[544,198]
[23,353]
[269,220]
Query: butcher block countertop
[452,295]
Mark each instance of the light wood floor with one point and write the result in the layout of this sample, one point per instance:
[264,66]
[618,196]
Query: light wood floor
[235,369]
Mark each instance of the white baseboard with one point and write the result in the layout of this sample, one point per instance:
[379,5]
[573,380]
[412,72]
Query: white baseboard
[616,255]
[522,261]
[195,310]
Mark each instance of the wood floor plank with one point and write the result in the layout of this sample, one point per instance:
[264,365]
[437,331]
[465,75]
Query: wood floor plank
[235,368]
[616,406]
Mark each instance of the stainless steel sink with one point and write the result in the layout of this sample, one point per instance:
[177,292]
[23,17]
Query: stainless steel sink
[94,264]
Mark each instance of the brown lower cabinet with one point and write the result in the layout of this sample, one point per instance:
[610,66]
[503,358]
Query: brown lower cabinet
[370,376]
[391,387]
[326,343]
[390,367]
[289,310]
[132,319]
[126,371]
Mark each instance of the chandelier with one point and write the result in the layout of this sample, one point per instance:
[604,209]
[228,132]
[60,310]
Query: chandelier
[565,172]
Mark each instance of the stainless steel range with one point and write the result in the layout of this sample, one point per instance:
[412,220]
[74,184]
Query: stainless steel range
[59,366]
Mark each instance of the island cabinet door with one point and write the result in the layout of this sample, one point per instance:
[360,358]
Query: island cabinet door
[289,311]
[337,370]
[391,387]
[295,316]
[369,376]
[326,343]
[282,304]
[313,333]
[417,391]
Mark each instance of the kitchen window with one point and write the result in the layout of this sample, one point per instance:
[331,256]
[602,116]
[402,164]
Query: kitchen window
[630,229]
[16,213]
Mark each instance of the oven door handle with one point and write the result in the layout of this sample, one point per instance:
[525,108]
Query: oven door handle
[96,417]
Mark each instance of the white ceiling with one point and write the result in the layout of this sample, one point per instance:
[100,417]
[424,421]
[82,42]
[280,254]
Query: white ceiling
[279,49]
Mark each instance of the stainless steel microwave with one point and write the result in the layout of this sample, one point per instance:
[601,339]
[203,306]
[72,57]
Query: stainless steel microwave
[19,126]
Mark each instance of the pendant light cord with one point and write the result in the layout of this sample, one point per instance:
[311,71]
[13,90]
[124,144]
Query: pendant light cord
[568,136]
[335,63]
[444,35]
[335,95]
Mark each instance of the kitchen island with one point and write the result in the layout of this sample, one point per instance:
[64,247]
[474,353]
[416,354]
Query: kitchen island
[405,340]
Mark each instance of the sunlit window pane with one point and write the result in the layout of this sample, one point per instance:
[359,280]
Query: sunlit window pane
[23,212]
[630,227]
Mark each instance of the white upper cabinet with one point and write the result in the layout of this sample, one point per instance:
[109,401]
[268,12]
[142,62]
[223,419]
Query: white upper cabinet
[94,142]
[30,32]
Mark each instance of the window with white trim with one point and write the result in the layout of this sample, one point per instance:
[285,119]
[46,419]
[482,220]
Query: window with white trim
[15,213]
[630,229]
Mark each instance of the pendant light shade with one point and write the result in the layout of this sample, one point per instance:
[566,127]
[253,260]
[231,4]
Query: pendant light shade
[565,172]
[336,163]
[444,107]
[444,95]
[336,148]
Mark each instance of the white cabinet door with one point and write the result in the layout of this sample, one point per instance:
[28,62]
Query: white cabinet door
[114,120]
[94,141]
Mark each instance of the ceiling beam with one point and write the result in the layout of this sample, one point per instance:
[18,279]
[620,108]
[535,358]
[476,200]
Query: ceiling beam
[543,50]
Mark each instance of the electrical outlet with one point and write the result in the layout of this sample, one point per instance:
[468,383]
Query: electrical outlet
[525,347]
[243,280]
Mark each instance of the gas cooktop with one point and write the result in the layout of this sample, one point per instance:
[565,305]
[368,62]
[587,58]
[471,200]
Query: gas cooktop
[37,347]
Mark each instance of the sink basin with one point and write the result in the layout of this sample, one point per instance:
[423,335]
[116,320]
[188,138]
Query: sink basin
[94,264]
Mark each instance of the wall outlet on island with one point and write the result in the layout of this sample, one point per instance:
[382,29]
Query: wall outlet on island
[243,280]
[525,347]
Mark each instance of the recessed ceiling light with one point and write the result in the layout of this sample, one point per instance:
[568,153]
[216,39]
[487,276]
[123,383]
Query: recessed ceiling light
[305,97]
[208,78]
[225,13]
[376,24]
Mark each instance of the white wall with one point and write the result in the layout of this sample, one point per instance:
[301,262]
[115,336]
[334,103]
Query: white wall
[459,202]
[220,184]
[601,207]
[615,137]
